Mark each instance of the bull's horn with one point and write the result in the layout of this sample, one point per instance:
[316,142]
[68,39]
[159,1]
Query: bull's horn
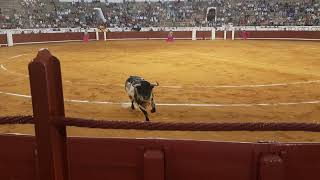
[156,84]
[136,85]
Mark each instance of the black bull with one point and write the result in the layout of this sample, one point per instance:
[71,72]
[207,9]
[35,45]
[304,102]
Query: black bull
[140,92]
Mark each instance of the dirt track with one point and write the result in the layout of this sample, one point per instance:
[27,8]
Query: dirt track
[189,72]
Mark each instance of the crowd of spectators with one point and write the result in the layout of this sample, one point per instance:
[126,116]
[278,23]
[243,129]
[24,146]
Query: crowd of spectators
[189,13]
[48,14]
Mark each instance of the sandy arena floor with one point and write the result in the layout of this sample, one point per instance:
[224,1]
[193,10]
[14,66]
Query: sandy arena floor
[234,81]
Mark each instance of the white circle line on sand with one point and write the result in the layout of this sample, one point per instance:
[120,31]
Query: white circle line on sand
[13,57]
[179,86]
[179,104]
[218,86]
[4,68]
[12,72]
[14,94]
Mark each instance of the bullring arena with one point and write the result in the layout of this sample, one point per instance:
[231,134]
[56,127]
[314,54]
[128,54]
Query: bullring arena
[200,81]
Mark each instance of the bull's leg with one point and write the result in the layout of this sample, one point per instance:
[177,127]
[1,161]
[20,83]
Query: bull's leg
[153,105]
[145,113]
[132,100]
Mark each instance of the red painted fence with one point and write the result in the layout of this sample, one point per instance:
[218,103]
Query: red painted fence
[315,35]
[49,37]
[137,159]
[78,36]
[203,35]
[148,35]
[3,39]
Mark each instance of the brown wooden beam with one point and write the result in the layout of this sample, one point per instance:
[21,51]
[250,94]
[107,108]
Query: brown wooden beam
[47,102]
[153,165]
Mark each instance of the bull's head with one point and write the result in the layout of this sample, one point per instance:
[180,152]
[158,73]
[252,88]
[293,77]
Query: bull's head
[144,90]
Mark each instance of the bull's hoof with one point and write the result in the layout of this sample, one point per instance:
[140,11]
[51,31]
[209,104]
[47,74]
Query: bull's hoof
[147,120]
[153,110]
[132,107]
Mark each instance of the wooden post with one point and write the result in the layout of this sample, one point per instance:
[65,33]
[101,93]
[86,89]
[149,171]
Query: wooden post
[194,34]
[213,34]
[47,102]
[97,34]
[154,165]
[9,39]
[233,34]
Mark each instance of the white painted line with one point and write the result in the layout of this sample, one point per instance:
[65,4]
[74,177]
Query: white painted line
[17,134]
[14,94]
[87,83]
[12,72]
[201,105]
[294,39]
[79,101]
[102,102]
[13,57]
[178,104]
[121,85]
[4,68]
[179,86]
[218,86]
[262,85]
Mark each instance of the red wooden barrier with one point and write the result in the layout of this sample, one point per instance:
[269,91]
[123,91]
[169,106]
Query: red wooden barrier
[17,157]
[3,39]
[229,34]
[203,35]
[50,37]
[219,34]
[315,35]
[78,36]
[101,36]
[148,35]
[137,159]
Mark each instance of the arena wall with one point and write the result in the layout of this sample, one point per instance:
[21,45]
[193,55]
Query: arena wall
[148,35]
[207,35]
[145,35]
[202,35]
[219,34]
[3,39]
[293,35]
[50,37]
[229,34]
[101,36]
[132,159]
